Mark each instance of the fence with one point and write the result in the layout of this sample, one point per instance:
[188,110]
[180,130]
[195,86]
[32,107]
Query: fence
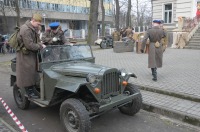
[82,33]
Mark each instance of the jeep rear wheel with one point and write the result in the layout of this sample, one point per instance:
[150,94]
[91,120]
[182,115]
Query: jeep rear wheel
[74,116]
[21,101]
[133,107]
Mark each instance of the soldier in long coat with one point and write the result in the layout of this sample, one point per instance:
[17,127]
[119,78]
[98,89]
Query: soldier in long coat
[155,54]
[54,36]
[26,63]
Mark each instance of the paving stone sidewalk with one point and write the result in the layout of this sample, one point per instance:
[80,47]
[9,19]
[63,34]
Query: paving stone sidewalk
[177,89]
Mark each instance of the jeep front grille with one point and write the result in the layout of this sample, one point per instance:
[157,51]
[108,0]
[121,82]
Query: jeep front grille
[110,84]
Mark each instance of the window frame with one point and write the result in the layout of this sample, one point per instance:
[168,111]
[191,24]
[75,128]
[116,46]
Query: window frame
[164,11]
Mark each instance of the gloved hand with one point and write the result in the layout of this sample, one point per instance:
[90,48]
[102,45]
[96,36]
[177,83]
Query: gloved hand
[55,39]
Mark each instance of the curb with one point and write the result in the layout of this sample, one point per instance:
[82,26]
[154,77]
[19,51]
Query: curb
[170,93]
[7,125]
[172,114]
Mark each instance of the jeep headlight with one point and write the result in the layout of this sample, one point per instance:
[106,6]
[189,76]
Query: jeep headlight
[91,78]
[123,72]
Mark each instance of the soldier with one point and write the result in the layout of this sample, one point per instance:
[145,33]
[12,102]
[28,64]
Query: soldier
[155,55]
[164,40]
[26,64]
[129,32]
[54,36]
[116,35]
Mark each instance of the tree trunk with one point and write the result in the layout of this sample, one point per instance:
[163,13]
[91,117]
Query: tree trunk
[117,15]
[103,19]
[128,16]
[92,29]
[17,10]
[138,14]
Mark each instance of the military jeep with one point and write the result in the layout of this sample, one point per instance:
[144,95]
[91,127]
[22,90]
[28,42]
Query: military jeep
[85,90]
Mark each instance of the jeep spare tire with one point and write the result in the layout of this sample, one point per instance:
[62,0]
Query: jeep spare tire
[74,116]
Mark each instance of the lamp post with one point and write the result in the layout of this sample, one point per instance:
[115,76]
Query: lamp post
[44,16]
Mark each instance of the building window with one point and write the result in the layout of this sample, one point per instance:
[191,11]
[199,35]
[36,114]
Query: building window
[168,13]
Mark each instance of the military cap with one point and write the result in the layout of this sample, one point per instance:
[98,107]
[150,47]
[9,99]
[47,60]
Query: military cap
[37,17]
[54,24]
[157,21]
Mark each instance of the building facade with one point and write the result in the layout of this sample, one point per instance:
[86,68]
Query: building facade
[171,10]
[72,14]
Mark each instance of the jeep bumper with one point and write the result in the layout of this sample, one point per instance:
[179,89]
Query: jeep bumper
[117,101]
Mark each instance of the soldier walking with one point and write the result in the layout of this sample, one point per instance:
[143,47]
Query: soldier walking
[155,55]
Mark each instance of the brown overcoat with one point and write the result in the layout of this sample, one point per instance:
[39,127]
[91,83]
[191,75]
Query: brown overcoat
[155,55]
[26,68]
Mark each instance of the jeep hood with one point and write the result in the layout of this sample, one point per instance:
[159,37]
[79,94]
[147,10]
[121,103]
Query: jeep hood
[78,68]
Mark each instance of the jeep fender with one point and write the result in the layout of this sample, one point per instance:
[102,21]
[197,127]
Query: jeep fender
[71,84]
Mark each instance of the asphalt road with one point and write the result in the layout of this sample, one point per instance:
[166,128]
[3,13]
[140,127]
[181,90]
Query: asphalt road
[37,119]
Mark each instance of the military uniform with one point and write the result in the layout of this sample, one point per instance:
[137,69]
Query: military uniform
[155,54]
[164,40]
[116,36]
[55,37]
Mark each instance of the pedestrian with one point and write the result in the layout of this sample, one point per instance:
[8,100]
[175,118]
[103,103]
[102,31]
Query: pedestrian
[26,63]
[54,36]
[155,54]
[164,40]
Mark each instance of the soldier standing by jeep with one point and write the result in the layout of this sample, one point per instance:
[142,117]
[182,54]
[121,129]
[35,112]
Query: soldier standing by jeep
[26,63]
[155,55]
[54,36]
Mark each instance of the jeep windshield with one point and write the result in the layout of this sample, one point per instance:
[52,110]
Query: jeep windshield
[66,52]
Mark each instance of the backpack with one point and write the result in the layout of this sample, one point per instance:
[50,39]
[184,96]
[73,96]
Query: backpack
[13,40]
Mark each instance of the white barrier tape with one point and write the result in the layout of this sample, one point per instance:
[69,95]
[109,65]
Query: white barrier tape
[13,116]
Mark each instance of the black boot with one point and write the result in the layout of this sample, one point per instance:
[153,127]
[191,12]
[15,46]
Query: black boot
[32,92]
[154,73]
[152,70]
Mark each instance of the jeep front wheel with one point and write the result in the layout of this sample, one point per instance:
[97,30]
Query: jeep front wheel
[133,107]
[74,116]
[20,99]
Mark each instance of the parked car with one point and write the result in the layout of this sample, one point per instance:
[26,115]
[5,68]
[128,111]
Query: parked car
[84,89]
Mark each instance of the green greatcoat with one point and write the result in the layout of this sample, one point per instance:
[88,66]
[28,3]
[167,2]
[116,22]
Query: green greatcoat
[155,55]
[26,65]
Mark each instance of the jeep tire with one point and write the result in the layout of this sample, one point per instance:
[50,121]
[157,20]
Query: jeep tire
[103,45]
[20,99]
[133,107]
[74,116]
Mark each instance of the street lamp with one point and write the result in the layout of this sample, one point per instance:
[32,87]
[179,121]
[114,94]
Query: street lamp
[44,16]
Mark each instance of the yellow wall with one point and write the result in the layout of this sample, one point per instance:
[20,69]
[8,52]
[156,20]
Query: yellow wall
[81,3]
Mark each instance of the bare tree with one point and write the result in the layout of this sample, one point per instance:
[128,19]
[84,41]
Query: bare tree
[128,16]
[117,15]
[15,5]
[92,29]
[5,20]
[103,18]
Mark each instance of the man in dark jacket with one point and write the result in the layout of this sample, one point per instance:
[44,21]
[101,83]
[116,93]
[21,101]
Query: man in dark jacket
[155,55]
[54,36]
[26,65]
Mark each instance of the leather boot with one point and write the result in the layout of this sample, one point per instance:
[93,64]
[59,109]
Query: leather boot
[154,73]
[32,92]
[152,70]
